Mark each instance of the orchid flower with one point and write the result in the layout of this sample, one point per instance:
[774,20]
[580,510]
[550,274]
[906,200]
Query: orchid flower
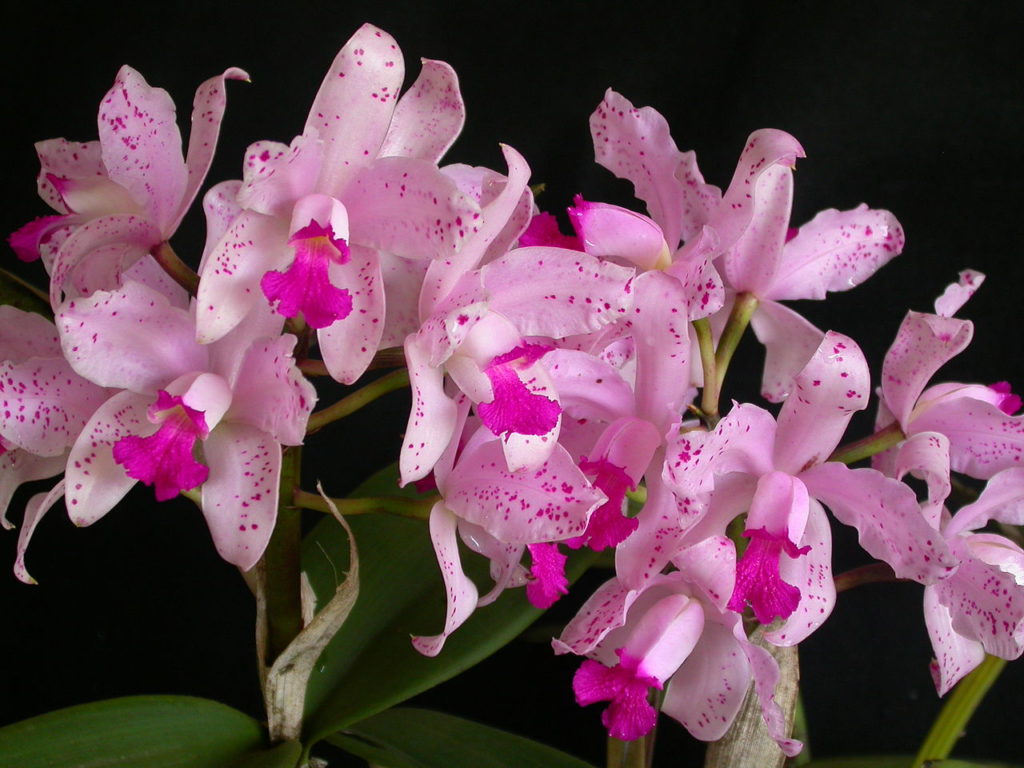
[674,631]
[985,437]
[238,401]
[364,175]
[776,472]
[119,197]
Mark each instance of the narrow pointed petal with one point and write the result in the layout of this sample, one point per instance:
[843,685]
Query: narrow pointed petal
[887,517]
[603,611]
[354,106]
[812,574]
[835,251]
[221,208]
[141,146]
[18,467]
[428,117]
[753,262]
[95,483]
[924,343]
[833,385]
[926,456]
[1002,499]
[129,339]
[955,655]
[636,145]
[432,416]
[549,503]
[207,114]
[240,497]
[957,294]
[766,148]
[462,593]
[36,508]
[229,285]
[348,346]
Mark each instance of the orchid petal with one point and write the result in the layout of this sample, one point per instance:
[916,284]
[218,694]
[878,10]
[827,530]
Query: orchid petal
[707,691]
[130,339]
[240,496]
[462,593]
[832,385]
[94,481]
[354,106]
[789,341]
[221,207]
[428,117]
[709,565]
[957,294]
[63,159]
[276,175]
[400,281]
[955,655]
[141,146]
[766,677]
[18,467]
[36,508]
[636,145]
[887,517]
[835,251]
[765,149]
[549,503]
[926,456]
[693,268]
[44,404]
[1002,499]
[485,186]
[432,416]
[27,240]
[128,238]
[603,611]
[612,231]
[753,262]
[577,293]
[26,334]
[924,343]
[207,114]
[230,283]
[982,439]
[588,387]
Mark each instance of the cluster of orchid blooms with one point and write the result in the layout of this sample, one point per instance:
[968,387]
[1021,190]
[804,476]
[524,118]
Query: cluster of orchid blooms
[552,376]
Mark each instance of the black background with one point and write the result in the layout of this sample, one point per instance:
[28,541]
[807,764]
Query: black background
[912,107]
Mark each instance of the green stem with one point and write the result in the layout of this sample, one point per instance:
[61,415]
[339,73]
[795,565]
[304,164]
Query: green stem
[172,264]
[395,505]
[706,343]
[739,319]
[358,399]
[313,367]
[281,560]
[873,573]
[627,754]
[866,447]
[957,711]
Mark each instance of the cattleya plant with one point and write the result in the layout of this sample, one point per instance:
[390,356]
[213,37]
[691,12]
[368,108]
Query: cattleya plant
[567,399]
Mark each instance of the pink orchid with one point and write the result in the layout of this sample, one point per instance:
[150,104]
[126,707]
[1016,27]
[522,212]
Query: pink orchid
[674,632]
[500,513]
[120,196]
[235,403]
[777,472]
[980,608]
[366,167]
[985,437]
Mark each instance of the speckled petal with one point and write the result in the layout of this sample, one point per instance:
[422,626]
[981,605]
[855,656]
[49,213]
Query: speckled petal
[240,496]
[432,417]
[141,146]
[835,251]
[17,467]
[462,593]
[982,439]
[603,611]
[549,503]
[36,508]
[65,159]
[354,106]
[833,385]
[789,342]
[955,655]
[429,116]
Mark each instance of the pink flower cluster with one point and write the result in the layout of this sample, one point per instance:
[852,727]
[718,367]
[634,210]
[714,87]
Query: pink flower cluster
[552,376]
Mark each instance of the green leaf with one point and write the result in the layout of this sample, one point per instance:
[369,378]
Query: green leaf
[134,732]
[370,665]
[420,738]
[18,293]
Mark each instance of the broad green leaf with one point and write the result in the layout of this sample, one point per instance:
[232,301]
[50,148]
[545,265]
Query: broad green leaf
[133,732]
[18,293]
[371,665]
[287,754]
[420,738]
